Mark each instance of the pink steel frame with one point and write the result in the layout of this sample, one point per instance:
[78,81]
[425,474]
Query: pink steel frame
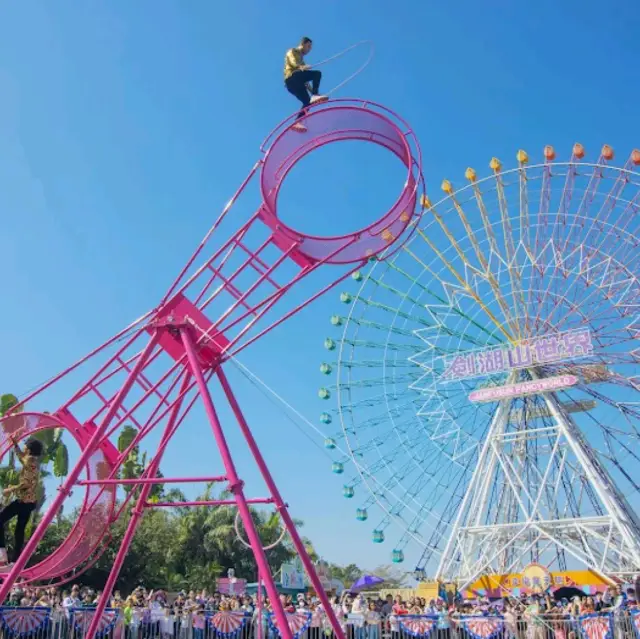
[166,360]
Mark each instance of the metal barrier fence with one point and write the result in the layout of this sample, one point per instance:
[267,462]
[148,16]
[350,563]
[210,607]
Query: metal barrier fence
[47,623]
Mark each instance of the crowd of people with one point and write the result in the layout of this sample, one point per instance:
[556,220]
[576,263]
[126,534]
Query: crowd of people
[183,615]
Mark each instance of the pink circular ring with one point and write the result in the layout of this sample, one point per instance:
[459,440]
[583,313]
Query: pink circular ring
[246,544]
[338,121]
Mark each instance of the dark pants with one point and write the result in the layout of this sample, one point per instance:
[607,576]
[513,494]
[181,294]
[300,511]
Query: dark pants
[297,85]
[22,510]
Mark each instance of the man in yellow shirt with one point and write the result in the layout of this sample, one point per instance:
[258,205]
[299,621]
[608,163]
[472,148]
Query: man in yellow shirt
[296,76]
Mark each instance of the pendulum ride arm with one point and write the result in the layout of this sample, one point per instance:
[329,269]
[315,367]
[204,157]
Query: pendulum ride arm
[218,306]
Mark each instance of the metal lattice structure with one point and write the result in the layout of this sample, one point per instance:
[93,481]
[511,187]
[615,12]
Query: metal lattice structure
[540,258]
[233,291]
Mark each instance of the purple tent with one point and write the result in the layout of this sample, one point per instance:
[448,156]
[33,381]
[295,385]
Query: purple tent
[366,581]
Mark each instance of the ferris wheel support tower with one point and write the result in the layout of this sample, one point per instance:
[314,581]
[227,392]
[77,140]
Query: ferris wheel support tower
[607,543]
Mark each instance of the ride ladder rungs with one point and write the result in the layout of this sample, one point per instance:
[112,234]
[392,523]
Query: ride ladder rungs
[153,480]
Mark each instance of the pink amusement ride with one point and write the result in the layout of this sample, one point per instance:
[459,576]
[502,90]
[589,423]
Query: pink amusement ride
[228,295]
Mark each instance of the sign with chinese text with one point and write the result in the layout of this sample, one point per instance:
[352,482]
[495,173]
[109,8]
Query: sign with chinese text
[516,584]
[496,393]
[530,352]
[536,578]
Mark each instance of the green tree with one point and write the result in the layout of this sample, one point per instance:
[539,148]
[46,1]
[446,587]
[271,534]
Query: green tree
[8,474]
[346,574]
[136,463]
[393,577]
[55,452]
[173,548]
[7,402]
[308,545]
[183,547]
[55,458]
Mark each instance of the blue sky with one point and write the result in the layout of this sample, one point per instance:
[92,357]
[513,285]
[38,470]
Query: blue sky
[126,126]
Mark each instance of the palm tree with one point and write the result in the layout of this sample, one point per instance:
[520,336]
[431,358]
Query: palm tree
[182,548]
[55,452]
[136,463]
[346,574]
[7,402]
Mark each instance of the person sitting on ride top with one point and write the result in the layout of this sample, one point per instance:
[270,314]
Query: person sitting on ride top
[296,76]
[26,497]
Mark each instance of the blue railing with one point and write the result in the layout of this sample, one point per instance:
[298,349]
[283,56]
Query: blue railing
[58,623]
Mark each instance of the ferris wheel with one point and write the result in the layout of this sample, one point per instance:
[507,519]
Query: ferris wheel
[482,398]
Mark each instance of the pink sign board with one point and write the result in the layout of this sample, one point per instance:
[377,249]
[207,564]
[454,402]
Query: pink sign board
[544,349]
[496,393]
[231,586]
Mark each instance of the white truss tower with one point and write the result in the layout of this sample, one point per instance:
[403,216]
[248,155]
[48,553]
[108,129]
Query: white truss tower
[518,506]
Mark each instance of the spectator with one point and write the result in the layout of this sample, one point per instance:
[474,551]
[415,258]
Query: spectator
[387,607]
[71,600]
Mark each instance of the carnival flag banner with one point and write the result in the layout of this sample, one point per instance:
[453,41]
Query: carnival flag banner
[226,623]
[596,626]
[298,623]
[635,622]
[22,622]
[111,622]
[419,626]
[482,627]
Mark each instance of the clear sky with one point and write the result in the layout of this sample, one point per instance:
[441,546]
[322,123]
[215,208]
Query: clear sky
[126,126]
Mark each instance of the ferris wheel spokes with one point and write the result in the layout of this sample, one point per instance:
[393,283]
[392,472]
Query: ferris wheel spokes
[534,253]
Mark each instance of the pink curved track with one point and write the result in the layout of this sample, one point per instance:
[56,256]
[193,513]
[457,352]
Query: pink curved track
[97,508]
[230,293]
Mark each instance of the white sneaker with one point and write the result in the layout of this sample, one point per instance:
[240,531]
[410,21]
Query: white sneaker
[315,99]
[299,127]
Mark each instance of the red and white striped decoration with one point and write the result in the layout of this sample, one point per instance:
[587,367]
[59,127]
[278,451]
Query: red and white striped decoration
[24,621]
[483,627]
[298,622]
[596,626]
[226,622]
[109,620]
[418,626]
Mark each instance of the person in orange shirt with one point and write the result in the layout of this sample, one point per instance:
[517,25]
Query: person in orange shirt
[297,77]
[25,497]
